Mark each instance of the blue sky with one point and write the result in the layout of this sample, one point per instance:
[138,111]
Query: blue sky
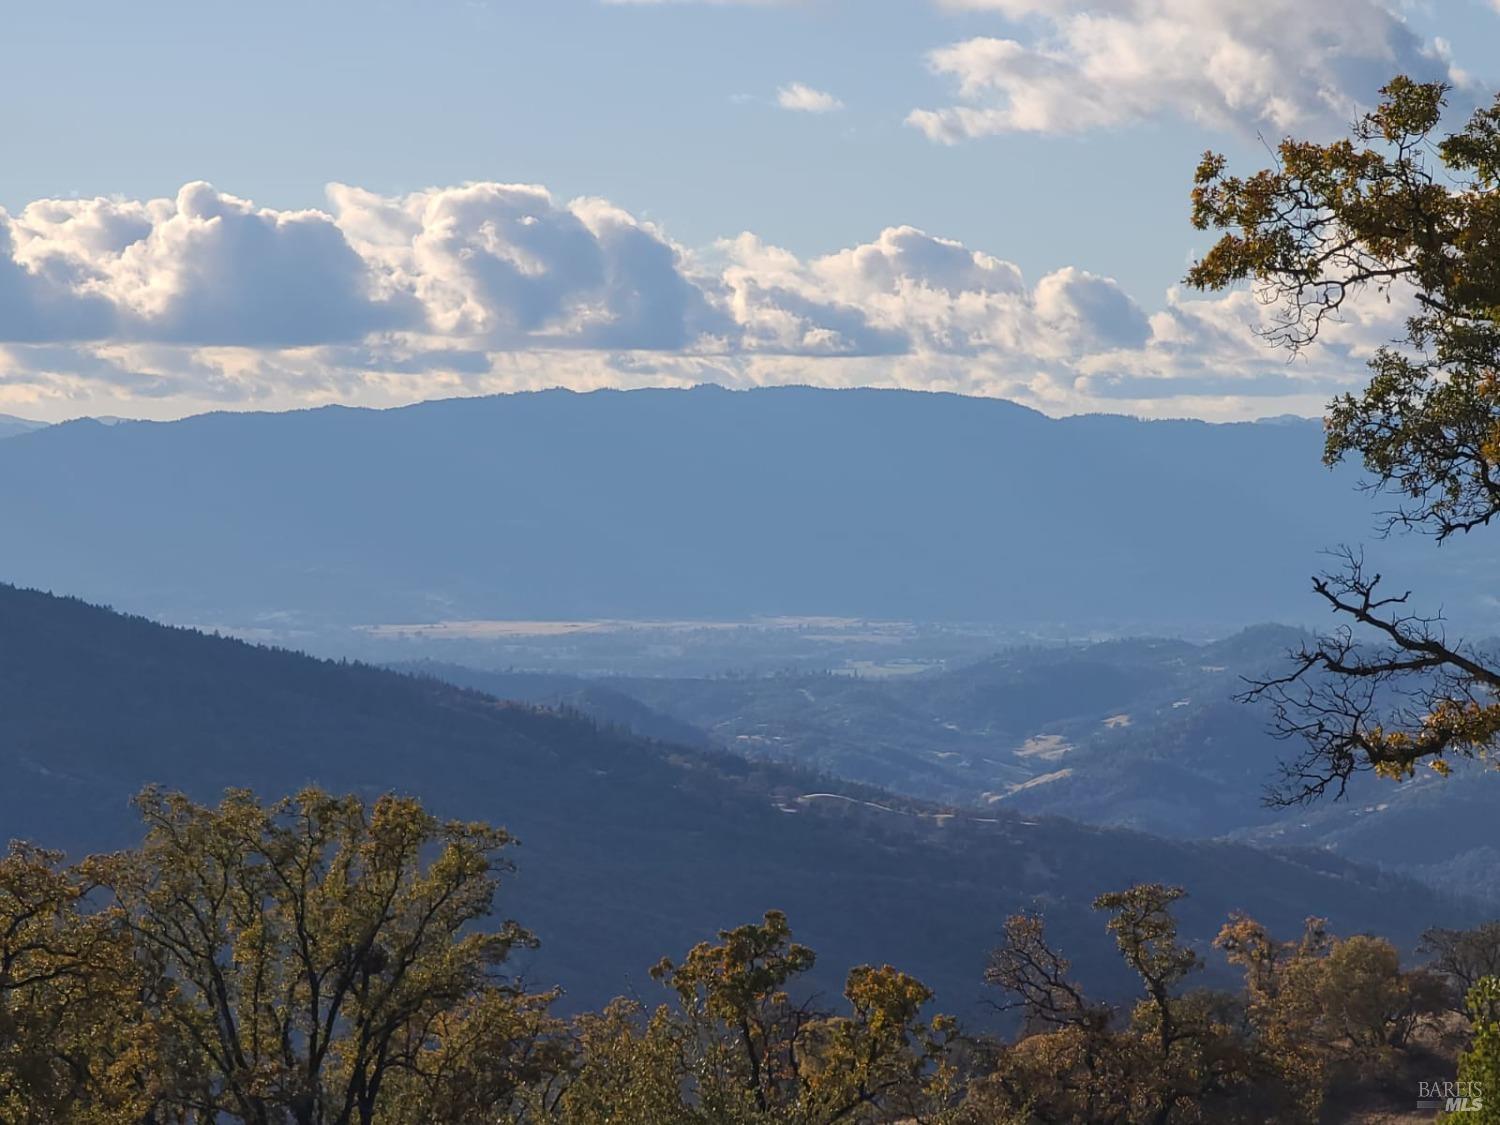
[1057,135]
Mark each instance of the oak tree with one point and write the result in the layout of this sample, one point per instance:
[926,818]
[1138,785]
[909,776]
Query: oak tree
[325,962]
[1410,211]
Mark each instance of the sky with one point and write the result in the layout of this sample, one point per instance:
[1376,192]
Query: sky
[214,206]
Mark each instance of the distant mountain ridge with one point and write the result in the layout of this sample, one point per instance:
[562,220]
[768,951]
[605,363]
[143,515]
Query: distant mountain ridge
[702,503]
[10,425]
[595,699]
[630,848]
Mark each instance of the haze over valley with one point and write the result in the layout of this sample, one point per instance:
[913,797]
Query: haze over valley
[713,506]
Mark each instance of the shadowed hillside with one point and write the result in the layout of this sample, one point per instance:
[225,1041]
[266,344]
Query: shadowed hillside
[10,426]
[1144,734]
[630,846]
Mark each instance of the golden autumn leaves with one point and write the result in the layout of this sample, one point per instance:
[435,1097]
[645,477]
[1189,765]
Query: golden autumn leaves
[1411,213]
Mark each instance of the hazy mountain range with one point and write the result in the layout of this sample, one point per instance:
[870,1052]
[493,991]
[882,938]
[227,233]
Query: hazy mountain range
[701,503]
[10,426]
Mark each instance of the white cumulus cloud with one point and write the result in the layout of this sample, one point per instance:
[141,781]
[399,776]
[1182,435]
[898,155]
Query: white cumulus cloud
[203,300]
[509,266]
[1069,66]
[203,268]
[801,98]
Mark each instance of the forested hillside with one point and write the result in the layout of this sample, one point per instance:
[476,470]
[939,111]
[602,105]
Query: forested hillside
[1143,734]
[629,847]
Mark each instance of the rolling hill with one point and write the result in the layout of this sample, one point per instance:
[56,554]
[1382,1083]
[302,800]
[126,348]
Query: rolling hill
[631,847]
[10,426]
[1141,733]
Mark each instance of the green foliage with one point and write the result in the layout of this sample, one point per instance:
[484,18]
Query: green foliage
[315,961]
[632,1070]
[1404,210]
[1318,1016]
[70,1047]
[1333,1015]
[1479,1068]
[756,1055]
[1179,1056]
[321,961]
[1146,932]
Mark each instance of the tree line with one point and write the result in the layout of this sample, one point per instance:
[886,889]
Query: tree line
[321,961]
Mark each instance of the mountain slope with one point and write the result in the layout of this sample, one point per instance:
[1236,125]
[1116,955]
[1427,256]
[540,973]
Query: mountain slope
[1143,734]
[595,699]
[704,503]
[10,426]
[958,735]
[630,849]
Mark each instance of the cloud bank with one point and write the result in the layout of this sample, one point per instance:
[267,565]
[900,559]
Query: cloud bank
[166,306]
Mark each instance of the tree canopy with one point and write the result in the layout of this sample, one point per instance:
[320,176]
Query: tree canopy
[1411,211]
[322,961]
[316,961]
